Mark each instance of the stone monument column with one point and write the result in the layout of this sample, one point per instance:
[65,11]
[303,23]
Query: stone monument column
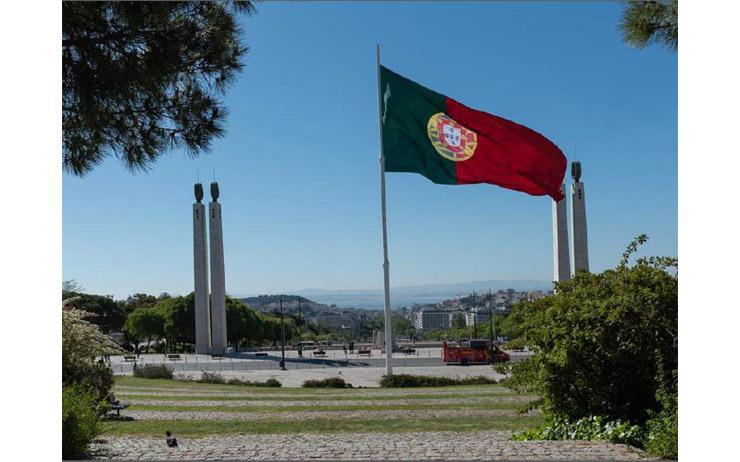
[578,211]
[200,265]
[560,253]
[218,282]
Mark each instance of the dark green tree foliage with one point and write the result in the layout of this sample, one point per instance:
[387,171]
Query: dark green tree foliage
[145,323]
[243,325]
[140,78]
[401,326]
[106,312]
[648,22]
[139,300]
[458,321]
[605,343]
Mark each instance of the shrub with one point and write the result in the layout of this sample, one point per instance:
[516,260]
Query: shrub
[662,427]
[266,383]
[406,380]
[211,377]
[599,340]
[153,371]
[522,375]
[79,421]
[587,428]
[662,440]
[331,382]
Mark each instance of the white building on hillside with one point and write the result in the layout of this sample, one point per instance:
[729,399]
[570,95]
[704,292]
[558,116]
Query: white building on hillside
[426,319]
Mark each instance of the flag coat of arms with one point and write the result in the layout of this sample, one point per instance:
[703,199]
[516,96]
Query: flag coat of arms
[449,143]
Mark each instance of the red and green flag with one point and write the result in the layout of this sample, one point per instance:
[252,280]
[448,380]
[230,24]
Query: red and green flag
[449,143]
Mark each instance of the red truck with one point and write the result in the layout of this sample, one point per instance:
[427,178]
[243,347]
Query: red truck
[479,351]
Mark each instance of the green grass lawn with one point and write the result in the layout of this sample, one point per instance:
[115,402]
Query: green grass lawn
[124,395]
[198,428]
[356,399]
[184,385]
[383,407]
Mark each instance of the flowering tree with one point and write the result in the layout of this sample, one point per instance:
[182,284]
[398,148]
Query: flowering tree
[82,342]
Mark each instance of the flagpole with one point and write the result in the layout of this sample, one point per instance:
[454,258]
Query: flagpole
[386,279]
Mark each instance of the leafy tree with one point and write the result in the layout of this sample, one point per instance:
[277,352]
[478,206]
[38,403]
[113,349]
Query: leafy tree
[650,21]
[434,334]
[605,343]
[402,326]
[244,325]
[104,311]
[140,78]
[369,324]
[458,320]
[145,323]
[140,301]
[179,319]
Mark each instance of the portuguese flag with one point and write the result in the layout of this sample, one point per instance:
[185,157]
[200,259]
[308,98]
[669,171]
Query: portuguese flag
[449,143]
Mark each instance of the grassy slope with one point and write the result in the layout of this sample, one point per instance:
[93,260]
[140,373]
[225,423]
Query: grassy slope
[500,398]
[182,385]
[194,396]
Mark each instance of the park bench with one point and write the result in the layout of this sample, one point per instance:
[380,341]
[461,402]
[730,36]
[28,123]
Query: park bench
[118,408]
[116,405]
[319,352]
[364,352]
[409,351]
[172,357]
[129,357]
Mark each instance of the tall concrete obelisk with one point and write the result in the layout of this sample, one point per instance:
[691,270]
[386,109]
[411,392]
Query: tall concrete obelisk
[200,261]
[578,222]
[560,253]
[218,282]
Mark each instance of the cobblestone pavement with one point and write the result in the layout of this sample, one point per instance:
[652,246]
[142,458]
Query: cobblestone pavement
[304,415]
[285,402]
[362,446]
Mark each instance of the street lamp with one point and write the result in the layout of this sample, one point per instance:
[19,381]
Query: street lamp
[474,311]
[491,321]
[300,333]
[282,336]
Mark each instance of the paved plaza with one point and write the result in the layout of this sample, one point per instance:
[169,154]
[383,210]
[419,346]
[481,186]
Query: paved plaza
[360,371]
[494,445]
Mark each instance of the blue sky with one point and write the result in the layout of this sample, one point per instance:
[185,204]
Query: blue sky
[298,168]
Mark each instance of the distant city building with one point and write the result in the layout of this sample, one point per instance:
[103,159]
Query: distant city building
[432,319]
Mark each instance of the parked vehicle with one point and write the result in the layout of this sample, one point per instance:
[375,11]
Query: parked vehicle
[477,351]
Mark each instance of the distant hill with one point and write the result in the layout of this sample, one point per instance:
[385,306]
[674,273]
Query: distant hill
[271,303]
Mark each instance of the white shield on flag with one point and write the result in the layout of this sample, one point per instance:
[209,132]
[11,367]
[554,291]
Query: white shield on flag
[452,135]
